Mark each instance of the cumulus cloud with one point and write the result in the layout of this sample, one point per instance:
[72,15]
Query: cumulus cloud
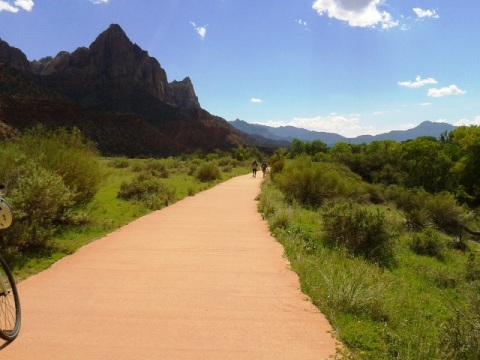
[17,5]
[256,100]
[445,91]
[467,122]
[358,13]
[425,13]
[200,30]
[96,2]
[419,82]
[346,125]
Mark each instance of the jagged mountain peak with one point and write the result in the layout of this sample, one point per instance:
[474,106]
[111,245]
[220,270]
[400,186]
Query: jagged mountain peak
[113,91]
[114,38]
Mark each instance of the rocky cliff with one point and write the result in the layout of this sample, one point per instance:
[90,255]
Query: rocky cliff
[116,93]
[13,57]
[114,65]
[183,94]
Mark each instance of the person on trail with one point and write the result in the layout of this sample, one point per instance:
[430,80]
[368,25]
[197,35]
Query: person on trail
[264,167]
[254,168]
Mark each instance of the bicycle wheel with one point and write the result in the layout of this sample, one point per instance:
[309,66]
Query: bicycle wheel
[10,314]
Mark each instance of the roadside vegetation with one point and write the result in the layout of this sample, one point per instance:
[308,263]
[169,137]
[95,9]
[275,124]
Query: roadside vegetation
[63,194]
[381,238]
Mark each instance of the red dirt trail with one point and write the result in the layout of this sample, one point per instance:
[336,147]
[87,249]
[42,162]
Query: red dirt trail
[200,279]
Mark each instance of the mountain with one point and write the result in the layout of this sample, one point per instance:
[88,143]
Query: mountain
[426,128]
[288,133]
[116,94]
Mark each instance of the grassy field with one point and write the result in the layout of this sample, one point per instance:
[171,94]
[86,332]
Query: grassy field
[423,304]
[108,212]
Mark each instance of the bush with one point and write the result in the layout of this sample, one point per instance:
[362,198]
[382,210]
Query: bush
[49,175]
[119,163]
[208,172]
[281,219]
[68,154]
[428,242]
[40,201]
[312,183]
[156,168]
[445,212]
[357,229]
[473,268]
[149,190]
[422,209]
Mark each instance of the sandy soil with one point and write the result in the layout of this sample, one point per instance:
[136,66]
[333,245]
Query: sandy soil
[201,279]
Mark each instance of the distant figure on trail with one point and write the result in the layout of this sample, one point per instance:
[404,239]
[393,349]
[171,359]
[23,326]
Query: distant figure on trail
[264,167]
[254,168]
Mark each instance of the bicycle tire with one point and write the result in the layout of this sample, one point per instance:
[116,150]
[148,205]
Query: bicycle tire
[10,312]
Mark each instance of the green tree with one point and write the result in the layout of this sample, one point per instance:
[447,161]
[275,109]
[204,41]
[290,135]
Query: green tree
[427,165]
[297,148]
[466,140]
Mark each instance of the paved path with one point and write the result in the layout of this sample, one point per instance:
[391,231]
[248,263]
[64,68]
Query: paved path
[201,279]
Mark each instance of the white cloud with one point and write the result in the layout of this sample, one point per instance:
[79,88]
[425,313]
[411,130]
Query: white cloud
[17,5]
[419,82]
[96,2]
[425,104]
[24,4]
[466,122]
[358,13]
[256,100]
[346,125]
[426,13]
[445,91]
[301,22]
[201,30]
[5,6]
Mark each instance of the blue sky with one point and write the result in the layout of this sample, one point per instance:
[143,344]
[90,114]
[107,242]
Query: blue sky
[347,66]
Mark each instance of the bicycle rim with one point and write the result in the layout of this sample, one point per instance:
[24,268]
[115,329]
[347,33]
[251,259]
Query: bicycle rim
[10,315]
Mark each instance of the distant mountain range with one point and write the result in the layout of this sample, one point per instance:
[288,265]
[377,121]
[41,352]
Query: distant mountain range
[285,134]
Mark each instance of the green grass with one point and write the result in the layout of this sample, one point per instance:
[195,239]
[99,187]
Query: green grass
[417,307]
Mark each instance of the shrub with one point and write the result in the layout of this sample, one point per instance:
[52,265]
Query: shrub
[422,209]
[473,268]
[357,229]
[208,172]
[276,166]
[119,163]
[68,154]
[428,242]
[156,168]
[40,201]
[446,213]
[281,218]
[312,183]
[149,190]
